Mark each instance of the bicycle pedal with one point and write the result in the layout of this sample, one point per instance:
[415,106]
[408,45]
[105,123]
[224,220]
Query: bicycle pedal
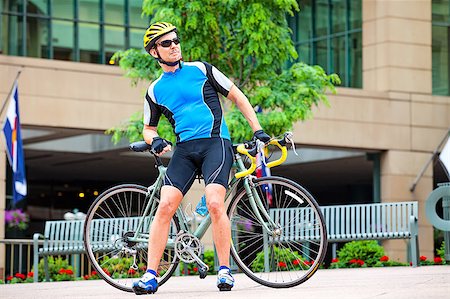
[202,273]
[141,291]
[224,287]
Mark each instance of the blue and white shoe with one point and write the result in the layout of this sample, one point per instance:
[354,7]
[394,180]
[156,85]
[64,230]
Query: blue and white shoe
[225,280]
[146,285]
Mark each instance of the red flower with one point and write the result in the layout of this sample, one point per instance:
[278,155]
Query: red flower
[69,272]
[94,273]
[106,271]
[9,278]
[360,262]
[335,260]
[195,269]
[438,260]
[307,263]
[352,261]
[384,258]
[30,274]
[423,258]
[296,262]
[131,271]
[282,264]
[20,275]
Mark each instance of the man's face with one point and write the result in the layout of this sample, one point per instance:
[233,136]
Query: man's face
[171,53]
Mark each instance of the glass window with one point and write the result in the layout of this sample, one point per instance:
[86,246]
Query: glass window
[329,33]
[88,32]
[355,59]
[136,38]
[62,38]
[89,36]
[440,44]
[338,16]
[440,64]
[114,40]
[321,17]
[136,18]
[114,12]
[63,9]
[89,11]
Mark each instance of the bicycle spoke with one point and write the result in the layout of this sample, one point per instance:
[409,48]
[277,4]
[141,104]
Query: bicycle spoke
[281,257]
[110,234]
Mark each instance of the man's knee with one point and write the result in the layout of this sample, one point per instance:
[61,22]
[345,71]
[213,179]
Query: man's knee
[169,202]
[215,195]
[216,207]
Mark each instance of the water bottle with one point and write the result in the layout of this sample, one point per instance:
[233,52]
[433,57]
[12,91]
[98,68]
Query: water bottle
[201,208]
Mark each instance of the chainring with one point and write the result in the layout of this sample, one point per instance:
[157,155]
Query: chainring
[185,243]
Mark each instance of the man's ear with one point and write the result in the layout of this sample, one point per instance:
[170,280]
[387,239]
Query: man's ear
[153,53]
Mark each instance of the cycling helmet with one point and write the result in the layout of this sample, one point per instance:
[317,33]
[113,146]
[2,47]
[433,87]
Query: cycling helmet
[155,31]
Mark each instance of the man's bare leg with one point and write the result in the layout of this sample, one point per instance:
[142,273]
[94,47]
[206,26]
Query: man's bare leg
[215,195]
[159,231]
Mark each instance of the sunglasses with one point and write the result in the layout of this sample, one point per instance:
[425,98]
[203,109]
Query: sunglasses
[168,42]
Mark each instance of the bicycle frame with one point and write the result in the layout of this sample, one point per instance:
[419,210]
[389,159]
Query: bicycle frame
[255,202]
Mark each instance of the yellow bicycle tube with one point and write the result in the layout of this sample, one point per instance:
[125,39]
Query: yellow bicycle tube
[242,150]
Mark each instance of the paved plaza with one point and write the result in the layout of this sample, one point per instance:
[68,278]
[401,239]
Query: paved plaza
[385,283]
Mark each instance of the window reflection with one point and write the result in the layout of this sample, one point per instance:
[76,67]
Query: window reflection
[440,44]
[76,30]
[329,33]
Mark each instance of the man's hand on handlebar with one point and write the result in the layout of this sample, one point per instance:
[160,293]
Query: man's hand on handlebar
[261,136]
[161,146]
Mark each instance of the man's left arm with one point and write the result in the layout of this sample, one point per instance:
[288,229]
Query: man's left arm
[241,101]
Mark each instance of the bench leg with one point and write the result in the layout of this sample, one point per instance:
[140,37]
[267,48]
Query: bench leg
[47,275]
[413,244]
[413,249]
[76,264]
[334,250]
[35,268]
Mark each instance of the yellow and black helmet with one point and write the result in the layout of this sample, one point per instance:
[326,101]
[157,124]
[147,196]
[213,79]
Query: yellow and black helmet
[155,31]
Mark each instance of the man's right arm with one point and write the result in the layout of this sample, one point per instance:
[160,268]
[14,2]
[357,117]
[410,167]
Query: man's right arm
[159,145]
[149,133]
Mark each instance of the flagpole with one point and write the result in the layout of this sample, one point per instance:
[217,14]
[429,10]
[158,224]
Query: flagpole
[5,102]
[413,186]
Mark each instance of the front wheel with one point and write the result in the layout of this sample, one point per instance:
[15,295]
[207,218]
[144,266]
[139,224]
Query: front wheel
[295,245]
[113,243]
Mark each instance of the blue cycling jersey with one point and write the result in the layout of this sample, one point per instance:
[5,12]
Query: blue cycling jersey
[188,98]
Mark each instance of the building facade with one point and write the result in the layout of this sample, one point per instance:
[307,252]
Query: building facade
[381,128]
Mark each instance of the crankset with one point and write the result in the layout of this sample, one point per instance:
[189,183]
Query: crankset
[188,248]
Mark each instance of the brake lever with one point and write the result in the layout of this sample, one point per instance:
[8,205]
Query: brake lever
[288,136]
[260,150]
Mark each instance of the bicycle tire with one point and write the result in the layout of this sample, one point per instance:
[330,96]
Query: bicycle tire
[294,255]
[113,214]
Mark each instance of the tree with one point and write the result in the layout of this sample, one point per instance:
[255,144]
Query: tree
[249,41]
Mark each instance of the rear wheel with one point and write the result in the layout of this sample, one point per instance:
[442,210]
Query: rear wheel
[293,249]
[110,223]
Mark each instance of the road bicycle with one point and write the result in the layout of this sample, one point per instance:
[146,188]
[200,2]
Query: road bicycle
[278,232]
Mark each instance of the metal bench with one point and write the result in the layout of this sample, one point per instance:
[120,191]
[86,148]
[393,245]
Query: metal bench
[377,221]
[62,237]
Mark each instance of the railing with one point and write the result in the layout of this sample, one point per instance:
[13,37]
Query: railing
[20,256]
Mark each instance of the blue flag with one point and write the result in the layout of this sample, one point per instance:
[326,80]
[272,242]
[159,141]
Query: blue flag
[14,149]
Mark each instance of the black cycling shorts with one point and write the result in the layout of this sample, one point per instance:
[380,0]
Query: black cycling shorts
[211,157]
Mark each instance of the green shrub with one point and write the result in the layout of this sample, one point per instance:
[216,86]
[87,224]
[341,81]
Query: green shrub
[58,268]
[441,251]
[357,254]
[287,260]
[192,269]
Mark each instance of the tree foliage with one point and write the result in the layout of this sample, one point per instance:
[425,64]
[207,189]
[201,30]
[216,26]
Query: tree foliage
[250,42]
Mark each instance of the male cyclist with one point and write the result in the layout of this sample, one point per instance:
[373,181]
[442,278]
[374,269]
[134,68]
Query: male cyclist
[186,93]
